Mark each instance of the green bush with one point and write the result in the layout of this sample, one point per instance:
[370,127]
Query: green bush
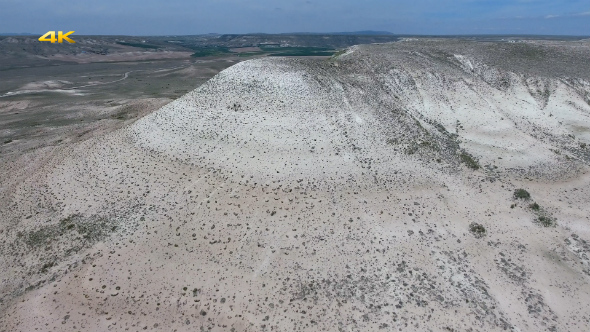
[521,194]
[546,221]
[468,160]
[477,229]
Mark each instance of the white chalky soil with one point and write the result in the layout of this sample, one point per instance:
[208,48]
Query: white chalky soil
[301,195]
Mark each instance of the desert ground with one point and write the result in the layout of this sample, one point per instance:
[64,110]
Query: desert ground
[59,103]
[421,185]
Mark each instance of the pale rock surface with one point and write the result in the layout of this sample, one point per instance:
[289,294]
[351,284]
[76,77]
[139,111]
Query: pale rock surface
[320,195]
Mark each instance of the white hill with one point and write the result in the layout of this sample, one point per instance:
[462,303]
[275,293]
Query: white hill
[377,190]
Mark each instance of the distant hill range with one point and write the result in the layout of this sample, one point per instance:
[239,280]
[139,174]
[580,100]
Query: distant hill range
[351,33]
[17,34]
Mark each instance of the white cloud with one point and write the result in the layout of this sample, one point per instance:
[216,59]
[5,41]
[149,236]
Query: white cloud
[550,16]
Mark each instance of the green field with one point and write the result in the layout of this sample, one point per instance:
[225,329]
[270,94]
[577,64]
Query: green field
[140,45]
[298,51]
[210,51]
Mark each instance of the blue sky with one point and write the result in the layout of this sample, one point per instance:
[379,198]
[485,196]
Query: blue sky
[151,17]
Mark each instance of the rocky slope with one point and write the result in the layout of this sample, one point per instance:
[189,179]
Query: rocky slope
[377,190]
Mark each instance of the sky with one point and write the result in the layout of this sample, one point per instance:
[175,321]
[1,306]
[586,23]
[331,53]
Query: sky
[187,17]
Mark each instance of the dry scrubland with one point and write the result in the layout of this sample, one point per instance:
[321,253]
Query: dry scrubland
[373,191]
[54,105]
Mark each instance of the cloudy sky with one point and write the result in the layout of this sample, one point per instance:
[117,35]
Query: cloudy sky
[156,17]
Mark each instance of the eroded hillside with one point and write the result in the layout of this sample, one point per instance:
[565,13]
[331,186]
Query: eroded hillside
[419,185]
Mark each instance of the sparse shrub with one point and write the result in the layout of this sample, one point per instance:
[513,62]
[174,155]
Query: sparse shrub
[411,149]
[521,194]
[477,229]
[391,141]
[441,128]
[512,206]
[583,145]
[468,160]
[546,221]
[47,266]
[535,206]
[8,141]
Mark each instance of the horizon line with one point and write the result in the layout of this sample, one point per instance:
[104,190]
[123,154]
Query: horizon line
[354,33]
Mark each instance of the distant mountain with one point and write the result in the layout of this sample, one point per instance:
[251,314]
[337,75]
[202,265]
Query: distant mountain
[351,33]
[366,32]
[17,34]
